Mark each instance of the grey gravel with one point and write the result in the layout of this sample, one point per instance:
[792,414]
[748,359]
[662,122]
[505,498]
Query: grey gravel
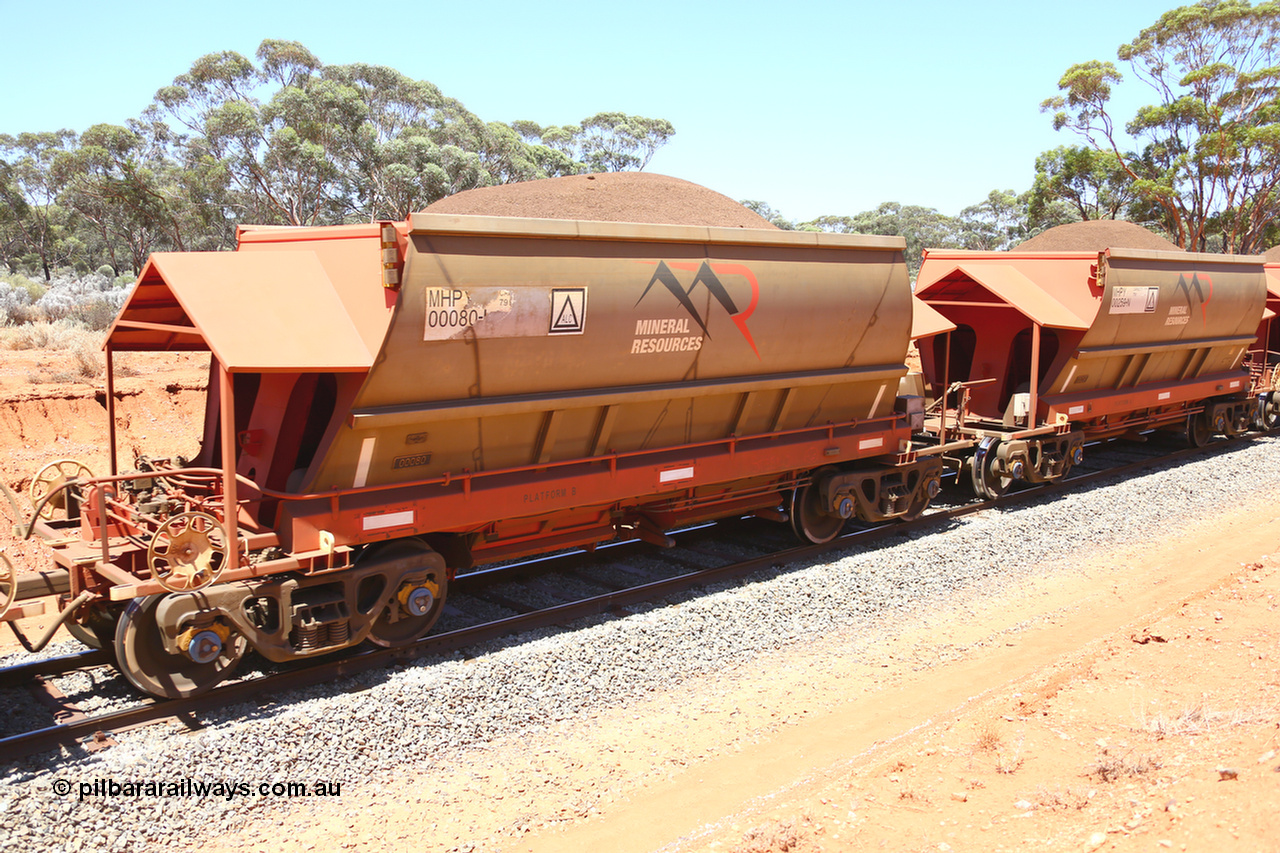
[426,715]
[53,650]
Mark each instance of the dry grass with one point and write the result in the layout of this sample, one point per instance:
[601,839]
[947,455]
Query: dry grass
[1197,719]
[1008,758]
[82,346]
[1060,799]
[1112,767]
[989,739]
[1009,762]
[60,335]
[124,365]
[908,794]
[88,363]
[773,837]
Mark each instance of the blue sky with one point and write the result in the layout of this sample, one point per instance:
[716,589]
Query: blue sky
[816,108]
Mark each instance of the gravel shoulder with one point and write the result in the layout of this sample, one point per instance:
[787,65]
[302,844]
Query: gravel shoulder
[1089,707]
[1132,703]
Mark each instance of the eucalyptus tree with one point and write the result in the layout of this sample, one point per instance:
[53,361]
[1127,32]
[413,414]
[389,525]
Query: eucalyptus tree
[1092,183]
[996,223]
[922,227]
[616,142]
[276,128]
[41,230]
[415,145]
[12,208]
[126,191]
[1209,160]
[604,142]
[766,211]
[301,143]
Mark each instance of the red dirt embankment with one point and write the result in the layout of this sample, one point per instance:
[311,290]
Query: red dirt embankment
[159,412]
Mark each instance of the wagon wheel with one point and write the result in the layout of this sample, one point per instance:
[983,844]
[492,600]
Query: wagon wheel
[51,478]
[8,584]
[1199,429]
[187,552]
[83,634]
[1269,411]
[143,659]
[415,606]
[808,520]
[984,479]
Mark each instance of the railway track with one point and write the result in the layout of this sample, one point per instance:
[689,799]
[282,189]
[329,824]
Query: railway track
[522,596]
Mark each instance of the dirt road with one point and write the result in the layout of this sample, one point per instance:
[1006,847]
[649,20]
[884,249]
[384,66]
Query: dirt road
[1139,712]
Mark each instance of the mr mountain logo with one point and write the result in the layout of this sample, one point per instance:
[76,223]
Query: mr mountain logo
[1200,284]
[673,335]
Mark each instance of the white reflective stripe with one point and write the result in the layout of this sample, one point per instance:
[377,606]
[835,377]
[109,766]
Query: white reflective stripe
[674,474]
[362,467]
[871,442]
[1075,410]
[1164,395]
[1235,384]
[388,519]
[876,404]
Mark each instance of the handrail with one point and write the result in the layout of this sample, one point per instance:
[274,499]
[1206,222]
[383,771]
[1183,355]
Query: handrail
[448,477]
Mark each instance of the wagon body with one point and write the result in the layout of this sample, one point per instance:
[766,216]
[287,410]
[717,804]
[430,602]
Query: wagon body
[1125,337]
[531,368]
[1264,355]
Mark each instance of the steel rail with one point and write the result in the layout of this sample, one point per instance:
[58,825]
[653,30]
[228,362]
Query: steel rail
[21,674]
[364,660]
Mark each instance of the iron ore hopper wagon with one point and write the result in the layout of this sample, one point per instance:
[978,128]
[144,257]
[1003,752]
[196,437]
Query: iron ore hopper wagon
[389,404]
[1051,349]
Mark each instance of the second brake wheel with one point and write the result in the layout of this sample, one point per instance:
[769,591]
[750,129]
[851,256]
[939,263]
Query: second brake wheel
[415,605]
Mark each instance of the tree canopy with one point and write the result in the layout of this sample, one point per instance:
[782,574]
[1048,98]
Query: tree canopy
[283,138]
[280,138]
[997,223]
[1207,166]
